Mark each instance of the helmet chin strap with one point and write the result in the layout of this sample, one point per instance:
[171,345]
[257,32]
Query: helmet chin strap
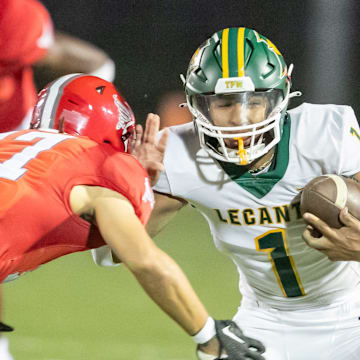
[242,152]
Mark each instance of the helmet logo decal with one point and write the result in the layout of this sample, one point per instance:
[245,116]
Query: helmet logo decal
[234,84]
[195,60]
[125,119]
[272,48]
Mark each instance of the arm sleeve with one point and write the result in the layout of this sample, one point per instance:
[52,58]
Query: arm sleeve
[163,185]
[125,175]
[102,256]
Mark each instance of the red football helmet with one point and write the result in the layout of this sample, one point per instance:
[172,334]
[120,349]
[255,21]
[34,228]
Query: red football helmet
[79,104]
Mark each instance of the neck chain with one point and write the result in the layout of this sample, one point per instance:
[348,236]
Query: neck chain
[262,167]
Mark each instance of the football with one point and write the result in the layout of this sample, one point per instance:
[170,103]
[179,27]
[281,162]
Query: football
[326,195]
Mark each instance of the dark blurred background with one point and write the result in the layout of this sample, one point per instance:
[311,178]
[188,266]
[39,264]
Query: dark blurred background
[152,41]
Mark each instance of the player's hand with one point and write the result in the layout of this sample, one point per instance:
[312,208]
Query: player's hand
[337,244]
[148,149]
[230,343]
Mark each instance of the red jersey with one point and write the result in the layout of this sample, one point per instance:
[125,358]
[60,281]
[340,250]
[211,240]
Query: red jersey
[38,169]
[26,32]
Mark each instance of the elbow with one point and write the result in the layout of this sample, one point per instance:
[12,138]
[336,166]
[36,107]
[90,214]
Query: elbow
[156,268]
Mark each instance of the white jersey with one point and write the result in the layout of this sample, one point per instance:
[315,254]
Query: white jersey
[255,219]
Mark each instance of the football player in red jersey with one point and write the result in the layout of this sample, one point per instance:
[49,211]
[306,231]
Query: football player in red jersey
[28,42]
[91,191]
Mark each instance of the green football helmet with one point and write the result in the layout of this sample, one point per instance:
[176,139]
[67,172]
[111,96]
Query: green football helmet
[238,74]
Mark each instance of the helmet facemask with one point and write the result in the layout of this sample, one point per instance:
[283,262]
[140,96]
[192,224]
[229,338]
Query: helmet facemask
[239,127]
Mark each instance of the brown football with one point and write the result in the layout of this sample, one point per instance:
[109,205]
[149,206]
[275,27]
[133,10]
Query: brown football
[326,195]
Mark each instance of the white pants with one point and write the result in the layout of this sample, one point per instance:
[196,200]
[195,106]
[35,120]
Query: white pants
[326,333]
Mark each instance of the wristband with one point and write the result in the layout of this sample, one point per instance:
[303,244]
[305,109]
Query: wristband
[206,333]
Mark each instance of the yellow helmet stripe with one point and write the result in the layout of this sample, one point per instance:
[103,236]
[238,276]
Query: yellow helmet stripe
[225,53]
[241,52]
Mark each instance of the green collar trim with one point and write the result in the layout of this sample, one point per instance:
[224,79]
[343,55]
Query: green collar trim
[260,185]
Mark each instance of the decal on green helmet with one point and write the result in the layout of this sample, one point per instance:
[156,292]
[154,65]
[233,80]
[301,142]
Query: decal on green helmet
[234,84]
[196,58]
[271,46]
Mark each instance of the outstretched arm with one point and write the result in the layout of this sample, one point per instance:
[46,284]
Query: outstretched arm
[166,284]
[157,273]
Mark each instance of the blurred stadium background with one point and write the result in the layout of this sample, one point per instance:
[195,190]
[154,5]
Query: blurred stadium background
[71,309]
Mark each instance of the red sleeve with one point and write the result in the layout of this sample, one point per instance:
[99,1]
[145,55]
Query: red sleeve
[26,32]
[130,179]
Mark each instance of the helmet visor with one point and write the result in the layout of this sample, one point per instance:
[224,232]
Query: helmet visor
[238,109]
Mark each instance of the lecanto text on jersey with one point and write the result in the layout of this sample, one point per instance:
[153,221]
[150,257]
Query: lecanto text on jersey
[261,216]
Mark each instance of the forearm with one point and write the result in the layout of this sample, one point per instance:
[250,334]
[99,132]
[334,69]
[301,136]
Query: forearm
[157,273]
[166,207]
[158,222]
[167,285]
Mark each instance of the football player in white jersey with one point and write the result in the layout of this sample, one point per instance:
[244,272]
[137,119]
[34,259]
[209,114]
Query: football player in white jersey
[241,164]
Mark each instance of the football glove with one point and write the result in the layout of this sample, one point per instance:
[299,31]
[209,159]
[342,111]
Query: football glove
[236,345]
[5,328]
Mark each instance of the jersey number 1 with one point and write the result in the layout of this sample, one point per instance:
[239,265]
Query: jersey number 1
[274,244]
